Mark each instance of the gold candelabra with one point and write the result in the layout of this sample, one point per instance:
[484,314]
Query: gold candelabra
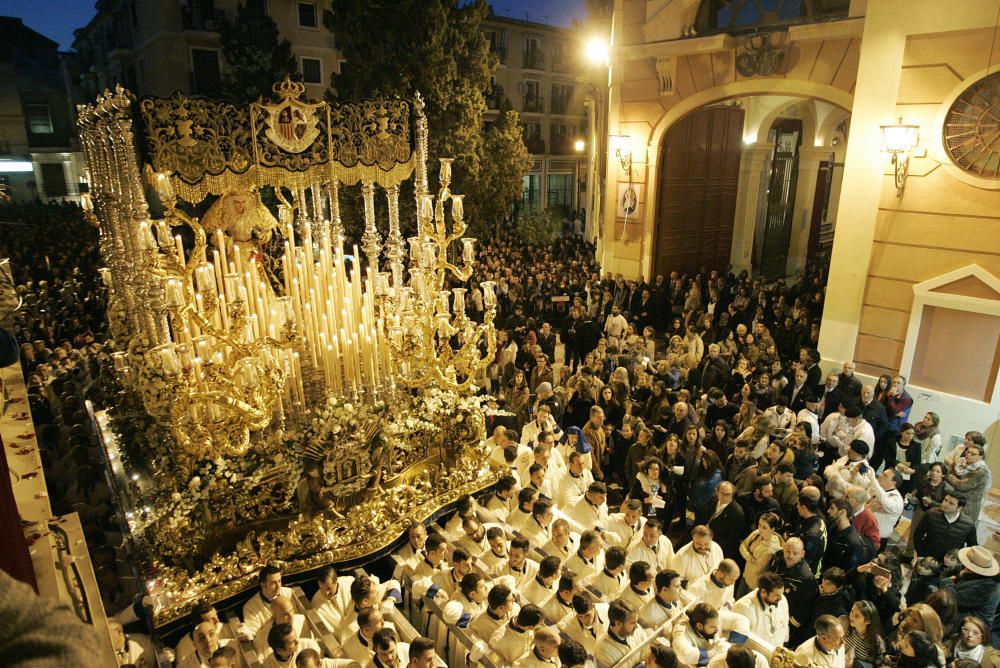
[430,334]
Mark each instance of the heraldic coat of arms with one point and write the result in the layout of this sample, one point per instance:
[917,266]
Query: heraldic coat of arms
[291,124]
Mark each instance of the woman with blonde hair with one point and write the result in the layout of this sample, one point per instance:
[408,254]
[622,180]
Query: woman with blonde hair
[920,617]
[758,548]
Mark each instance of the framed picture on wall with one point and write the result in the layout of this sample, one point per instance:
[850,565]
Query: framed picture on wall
[629,201]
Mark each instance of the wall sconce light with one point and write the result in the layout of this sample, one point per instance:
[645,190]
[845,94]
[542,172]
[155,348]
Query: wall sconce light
[622,147]
[900,139]
[579,145]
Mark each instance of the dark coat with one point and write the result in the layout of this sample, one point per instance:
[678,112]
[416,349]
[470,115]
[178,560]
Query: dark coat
[812,532]
[979,596]
[844,549]
[874,414]
[800,589]
[934,535]
[730,528]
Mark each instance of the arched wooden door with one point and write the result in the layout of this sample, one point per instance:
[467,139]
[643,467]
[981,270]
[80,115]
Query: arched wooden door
[696,204]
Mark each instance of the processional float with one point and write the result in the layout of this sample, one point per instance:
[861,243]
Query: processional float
[275,396]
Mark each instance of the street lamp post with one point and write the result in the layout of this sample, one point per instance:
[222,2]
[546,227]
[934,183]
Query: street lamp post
[597,54]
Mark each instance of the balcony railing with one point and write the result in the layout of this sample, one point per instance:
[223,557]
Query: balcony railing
[536,145]
[495,98]
[560,105]
[534,59]
[533,104]
[208,21]
[560,145]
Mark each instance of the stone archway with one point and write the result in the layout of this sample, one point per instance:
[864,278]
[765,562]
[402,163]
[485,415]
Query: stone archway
[835,98]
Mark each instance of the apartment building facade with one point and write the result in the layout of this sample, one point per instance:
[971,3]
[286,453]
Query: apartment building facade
[38,152]
[539,75]
[157,47]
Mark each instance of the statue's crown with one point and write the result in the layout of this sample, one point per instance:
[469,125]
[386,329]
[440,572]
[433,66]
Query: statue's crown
[289,89]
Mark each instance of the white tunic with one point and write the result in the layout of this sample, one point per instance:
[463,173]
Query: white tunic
[769,623]
[659,556]
[610,649]
[692,565]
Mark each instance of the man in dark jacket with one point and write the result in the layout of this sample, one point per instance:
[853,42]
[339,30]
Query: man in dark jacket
[844,548]
[977,591]
[759,501]
[727,521]
[810,528]
[800,587]
[715,370]
[873,411]
[944,528]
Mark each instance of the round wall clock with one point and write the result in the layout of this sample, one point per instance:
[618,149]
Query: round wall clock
[972,128]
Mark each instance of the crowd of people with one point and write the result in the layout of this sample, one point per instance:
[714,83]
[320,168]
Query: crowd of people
[60,327]
[748,489]
[679,479]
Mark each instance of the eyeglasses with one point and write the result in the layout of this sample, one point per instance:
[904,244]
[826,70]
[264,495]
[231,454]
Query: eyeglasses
[971,631]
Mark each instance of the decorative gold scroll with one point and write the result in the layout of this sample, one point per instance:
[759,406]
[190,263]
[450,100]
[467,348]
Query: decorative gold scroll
[210,147]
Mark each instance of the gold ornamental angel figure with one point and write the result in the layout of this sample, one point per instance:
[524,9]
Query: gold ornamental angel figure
[244,221]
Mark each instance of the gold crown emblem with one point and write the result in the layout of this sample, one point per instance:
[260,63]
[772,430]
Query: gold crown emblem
[288,89]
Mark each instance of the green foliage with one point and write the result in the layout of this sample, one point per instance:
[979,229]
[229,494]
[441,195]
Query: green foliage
[541,227]
[503,160]
[396,48]
[256,58]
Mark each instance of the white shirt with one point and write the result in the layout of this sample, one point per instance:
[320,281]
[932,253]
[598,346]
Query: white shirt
[655,613]
[569,488]
[626,533]
[587,515]
[659,556]
[691,648]
[485,625]
[556,610]
[271,661]
[402,655]
[705,589]
[841,433]
[770,622]
[185,645]
[501,507]
[260,640]
[887,506]
[521,577]
[615,325]
[584,568]
[842,474]
[809,652]
[692,565]
[806,415]
[256,611]
[609,585]
[537,593]
[610,649]
[510,644]
[536,534]
[357,648]
[588,637]
[783,420]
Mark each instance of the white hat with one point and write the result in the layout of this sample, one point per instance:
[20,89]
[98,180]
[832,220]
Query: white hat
[979,560]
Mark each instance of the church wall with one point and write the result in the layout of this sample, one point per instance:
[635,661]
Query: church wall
[657,78]
[945,221]
[941,223]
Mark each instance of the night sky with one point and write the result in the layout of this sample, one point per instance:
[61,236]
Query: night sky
[57,19]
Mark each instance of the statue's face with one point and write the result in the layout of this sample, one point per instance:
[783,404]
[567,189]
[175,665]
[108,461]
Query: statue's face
[240,203]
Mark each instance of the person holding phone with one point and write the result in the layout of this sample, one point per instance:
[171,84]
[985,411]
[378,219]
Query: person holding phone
[851,469]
